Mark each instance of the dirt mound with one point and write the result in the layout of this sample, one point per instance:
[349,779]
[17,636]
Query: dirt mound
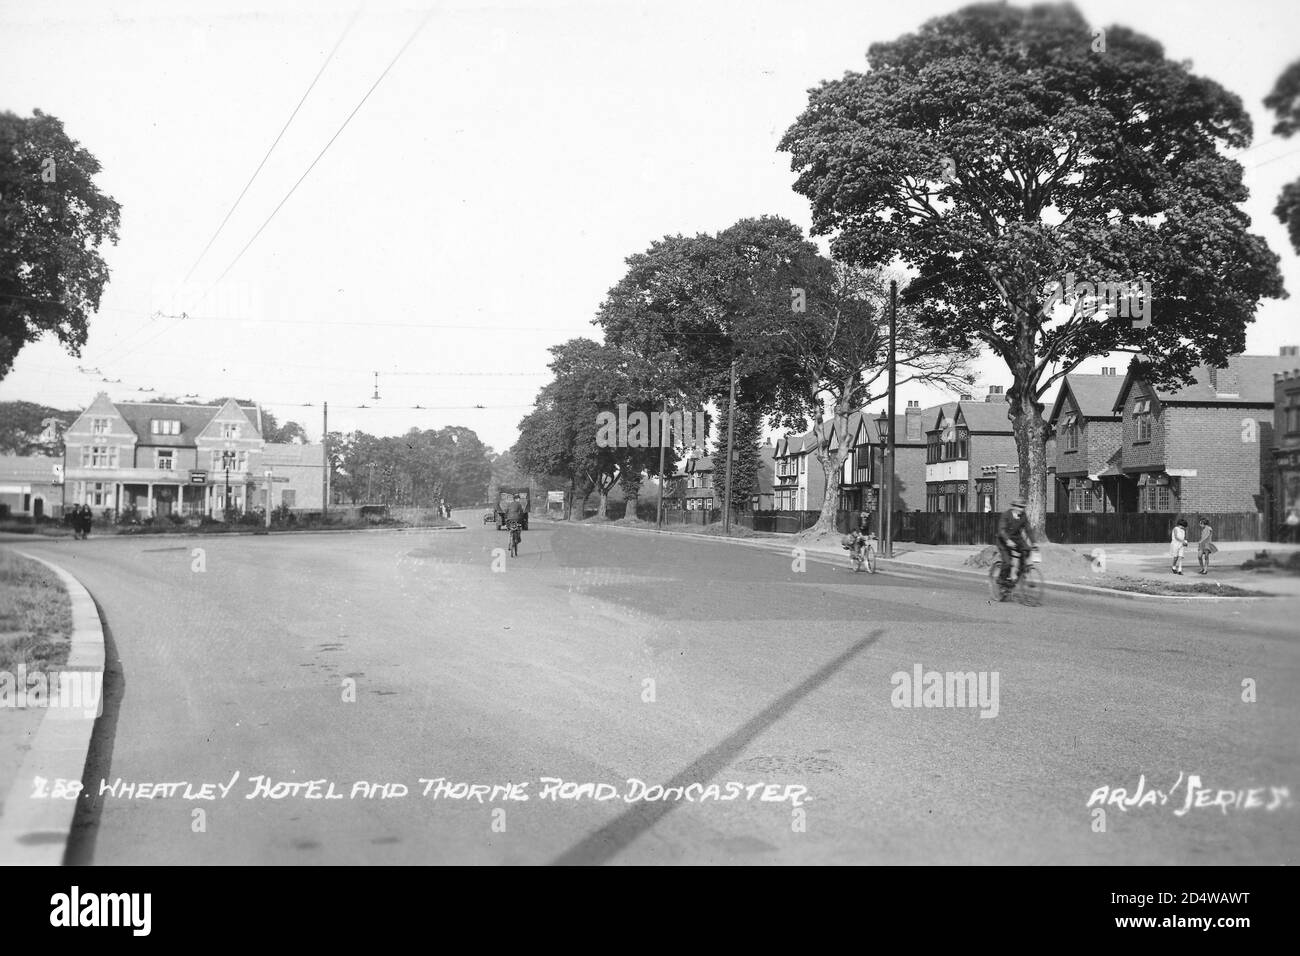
[1270,561]
[737,531]
[1055,557]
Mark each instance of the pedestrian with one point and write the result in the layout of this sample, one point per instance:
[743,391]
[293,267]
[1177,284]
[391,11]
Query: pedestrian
[1206,546]
[1178,544]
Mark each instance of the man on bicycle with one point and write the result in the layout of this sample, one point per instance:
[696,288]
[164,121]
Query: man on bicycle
[1014,537]
[515,512]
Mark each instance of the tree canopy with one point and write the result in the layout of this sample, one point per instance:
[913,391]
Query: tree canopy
[1000,151]
[53,220]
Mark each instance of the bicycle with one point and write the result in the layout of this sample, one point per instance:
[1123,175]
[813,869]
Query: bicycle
[1026,584]
[516,535]
[863,554]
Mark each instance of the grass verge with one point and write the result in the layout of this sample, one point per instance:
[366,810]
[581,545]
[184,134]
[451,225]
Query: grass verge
[35,615]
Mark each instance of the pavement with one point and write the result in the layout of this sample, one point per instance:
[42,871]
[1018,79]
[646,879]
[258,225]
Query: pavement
[602,657]
[1142,562]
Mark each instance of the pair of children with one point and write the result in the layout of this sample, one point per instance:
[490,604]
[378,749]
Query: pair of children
[1205,547]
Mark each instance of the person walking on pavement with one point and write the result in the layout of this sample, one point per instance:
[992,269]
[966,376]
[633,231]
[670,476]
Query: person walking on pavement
[1206,547]
[1178,545]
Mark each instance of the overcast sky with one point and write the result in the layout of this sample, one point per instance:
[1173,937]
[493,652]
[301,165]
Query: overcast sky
[480,203]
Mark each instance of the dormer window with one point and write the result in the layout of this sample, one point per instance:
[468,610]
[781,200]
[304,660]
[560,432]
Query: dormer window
[164,426]
[1142,418]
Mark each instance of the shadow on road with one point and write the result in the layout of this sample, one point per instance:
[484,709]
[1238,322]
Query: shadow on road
[605,843]
[99,759]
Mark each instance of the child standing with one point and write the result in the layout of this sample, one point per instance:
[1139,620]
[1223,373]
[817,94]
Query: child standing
[1206,546]
[1178,544]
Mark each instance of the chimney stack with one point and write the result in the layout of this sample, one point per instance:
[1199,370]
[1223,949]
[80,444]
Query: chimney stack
[913,421]
[1292,350]
[996,394]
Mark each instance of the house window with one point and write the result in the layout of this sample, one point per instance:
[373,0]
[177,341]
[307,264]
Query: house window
[1142,418]
[100,426]
[98,495]
[232,460]
[985,496]
[1070,432]
[288,498]
[1082,497]
[166,459]
[230,430]
[101,456]
[1291,422]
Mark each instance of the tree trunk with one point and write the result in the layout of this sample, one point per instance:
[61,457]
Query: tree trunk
[602,502]
[1031,450]
[833,467]
[629,507]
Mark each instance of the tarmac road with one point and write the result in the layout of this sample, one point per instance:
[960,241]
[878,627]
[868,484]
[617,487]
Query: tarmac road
[601,655]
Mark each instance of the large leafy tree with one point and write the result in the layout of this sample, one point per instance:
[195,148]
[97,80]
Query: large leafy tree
[998,150]
[1284,100]
[53,219]
[28,428]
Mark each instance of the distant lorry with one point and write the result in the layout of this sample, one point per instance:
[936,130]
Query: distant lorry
[504,496]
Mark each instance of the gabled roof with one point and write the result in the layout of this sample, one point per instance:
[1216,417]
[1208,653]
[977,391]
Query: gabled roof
[193,419]
[976,416]
[1246,380]
[1094,395]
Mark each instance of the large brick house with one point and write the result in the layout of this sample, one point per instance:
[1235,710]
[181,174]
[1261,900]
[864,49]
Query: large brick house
[798,482]
[971,462]
[1205,447]
[161,458]
[1088,432]
[860,481]
[702,486]
[1286,451]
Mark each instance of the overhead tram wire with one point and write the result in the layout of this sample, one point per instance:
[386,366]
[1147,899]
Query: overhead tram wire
[391,63]
[238,199]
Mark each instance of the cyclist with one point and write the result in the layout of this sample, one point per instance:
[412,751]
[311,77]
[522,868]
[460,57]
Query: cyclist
[1014,538]
[515,519]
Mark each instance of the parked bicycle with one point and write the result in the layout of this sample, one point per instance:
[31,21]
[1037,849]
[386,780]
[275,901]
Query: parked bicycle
[1025,581]
[862,552]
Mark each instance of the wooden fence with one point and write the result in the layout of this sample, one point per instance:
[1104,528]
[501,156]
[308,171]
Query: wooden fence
[959,527]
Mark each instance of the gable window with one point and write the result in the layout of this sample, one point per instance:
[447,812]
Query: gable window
[166,459]
[164,426]
[1070,432]
[229,460]
[1142,418]
[100,426]
[99,456]
[230,430]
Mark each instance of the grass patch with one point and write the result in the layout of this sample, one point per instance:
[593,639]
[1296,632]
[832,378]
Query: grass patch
[1199,588]
[737,531]
[35,615]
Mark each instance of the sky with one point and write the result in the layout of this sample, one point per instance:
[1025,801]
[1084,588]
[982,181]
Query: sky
[476,207]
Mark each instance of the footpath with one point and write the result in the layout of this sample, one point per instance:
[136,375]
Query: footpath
[1098,569]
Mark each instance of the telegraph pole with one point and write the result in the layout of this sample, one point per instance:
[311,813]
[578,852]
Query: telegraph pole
[888,484]
[325,443]
[731,420]
[659,512]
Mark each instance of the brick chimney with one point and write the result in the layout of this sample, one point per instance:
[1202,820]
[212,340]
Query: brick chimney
[913,421]
[964,397]
[1292,350]
[996,394]
[1225,381]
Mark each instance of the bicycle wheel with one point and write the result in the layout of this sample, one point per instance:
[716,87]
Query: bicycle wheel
[870,554]
[995,585]
[1031,586]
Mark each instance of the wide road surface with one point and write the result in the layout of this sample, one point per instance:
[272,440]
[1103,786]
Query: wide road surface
[601,655]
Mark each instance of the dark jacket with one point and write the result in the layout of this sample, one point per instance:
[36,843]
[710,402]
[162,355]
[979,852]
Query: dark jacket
[515,511]
[1014,529]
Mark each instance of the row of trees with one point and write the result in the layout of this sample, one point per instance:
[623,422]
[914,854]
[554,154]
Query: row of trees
[987,155]
[419,468]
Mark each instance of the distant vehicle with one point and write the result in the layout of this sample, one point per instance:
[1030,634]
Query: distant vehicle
[504,497]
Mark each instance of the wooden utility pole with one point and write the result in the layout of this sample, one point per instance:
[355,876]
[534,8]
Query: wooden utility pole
[325,443]
[663,420]
[888,484]
[731,420]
